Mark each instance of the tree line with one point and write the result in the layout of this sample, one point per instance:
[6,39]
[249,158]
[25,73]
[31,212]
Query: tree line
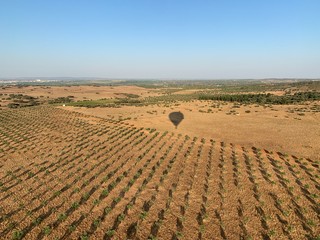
[264,98]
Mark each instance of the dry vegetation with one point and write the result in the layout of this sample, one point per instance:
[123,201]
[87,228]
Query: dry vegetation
[230,171]
[43,94]
[269,127]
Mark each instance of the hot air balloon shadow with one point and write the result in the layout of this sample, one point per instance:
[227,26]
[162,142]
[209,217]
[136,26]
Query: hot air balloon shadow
[176,118]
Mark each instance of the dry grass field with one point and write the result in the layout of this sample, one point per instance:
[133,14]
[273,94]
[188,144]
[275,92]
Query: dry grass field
[229,171]
[252,125]
[79,92]
[47,93]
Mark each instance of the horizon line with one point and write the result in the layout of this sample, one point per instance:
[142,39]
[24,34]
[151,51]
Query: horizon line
[144,78]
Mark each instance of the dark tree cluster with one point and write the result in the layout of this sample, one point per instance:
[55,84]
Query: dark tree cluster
[61,100]
[264,98]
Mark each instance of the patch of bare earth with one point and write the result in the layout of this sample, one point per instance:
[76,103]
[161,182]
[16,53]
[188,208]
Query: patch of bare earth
[78,92]
[276,128]
[68,175]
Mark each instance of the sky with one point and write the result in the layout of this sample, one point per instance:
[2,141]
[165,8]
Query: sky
[160,39]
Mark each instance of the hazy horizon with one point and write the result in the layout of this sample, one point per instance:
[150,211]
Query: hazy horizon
[146,79]
[160,40]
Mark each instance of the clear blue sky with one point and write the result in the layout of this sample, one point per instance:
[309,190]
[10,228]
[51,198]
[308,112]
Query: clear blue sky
[160,38]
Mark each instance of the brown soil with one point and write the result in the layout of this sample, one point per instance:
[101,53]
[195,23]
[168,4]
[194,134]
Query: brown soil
[289,129]
[78,92]
[68,175]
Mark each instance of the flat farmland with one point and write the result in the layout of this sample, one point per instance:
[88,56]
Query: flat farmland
[248,125]
[78,92]
[76,175]
[160,120]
